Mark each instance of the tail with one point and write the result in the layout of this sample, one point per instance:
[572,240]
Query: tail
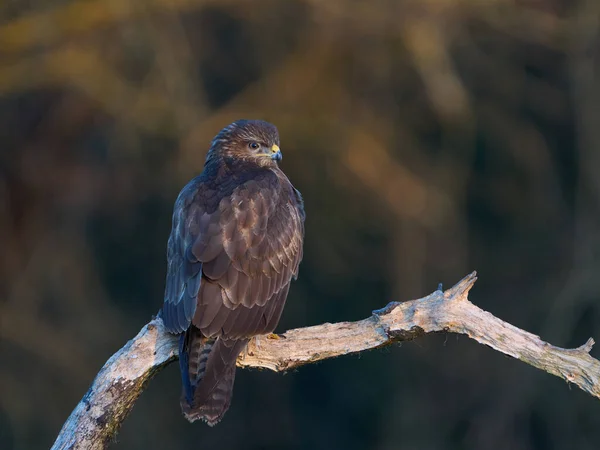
[208,372]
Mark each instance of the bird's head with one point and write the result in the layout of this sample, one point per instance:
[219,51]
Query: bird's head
[248,140]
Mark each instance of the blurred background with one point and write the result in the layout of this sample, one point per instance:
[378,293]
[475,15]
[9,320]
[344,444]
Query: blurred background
[429,138]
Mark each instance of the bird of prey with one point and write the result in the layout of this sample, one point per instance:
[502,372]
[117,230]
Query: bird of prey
[235,245]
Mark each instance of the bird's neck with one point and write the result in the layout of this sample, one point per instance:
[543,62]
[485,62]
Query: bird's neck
[224,166]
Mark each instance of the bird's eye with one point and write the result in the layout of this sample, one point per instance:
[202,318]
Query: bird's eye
[254,145]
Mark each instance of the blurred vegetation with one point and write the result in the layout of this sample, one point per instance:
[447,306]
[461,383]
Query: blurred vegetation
[429,138]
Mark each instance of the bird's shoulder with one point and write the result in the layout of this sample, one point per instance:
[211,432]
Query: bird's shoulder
[209,189]
[290,194]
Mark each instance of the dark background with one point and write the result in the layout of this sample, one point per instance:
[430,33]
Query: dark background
[429,138]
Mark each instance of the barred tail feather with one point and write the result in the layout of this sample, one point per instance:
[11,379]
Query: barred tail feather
[208,373]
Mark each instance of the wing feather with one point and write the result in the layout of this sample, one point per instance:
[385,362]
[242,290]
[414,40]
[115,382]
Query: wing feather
[215,327]
[217,268]
[209,304]
[230,266]
[184,270]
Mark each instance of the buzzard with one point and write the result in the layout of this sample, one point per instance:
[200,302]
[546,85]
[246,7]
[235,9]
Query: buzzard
[235,245]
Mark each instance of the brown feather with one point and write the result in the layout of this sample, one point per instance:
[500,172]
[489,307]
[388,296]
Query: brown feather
[235,244]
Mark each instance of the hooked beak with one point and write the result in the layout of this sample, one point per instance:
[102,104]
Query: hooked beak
[276,153]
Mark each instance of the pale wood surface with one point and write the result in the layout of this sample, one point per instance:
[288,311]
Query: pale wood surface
[117,386]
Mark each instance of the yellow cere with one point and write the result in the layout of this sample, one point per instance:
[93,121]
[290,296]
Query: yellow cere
[275,148]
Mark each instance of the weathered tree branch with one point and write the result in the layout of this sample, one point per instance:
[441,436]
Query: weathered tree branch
[117,386]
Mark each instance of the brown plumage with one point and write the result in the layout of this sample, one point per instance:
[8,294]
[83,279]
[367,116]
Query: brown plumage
[235,245]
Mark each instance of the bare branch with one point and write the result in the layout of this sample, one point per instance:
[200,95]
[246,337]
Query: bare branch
[113,393]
